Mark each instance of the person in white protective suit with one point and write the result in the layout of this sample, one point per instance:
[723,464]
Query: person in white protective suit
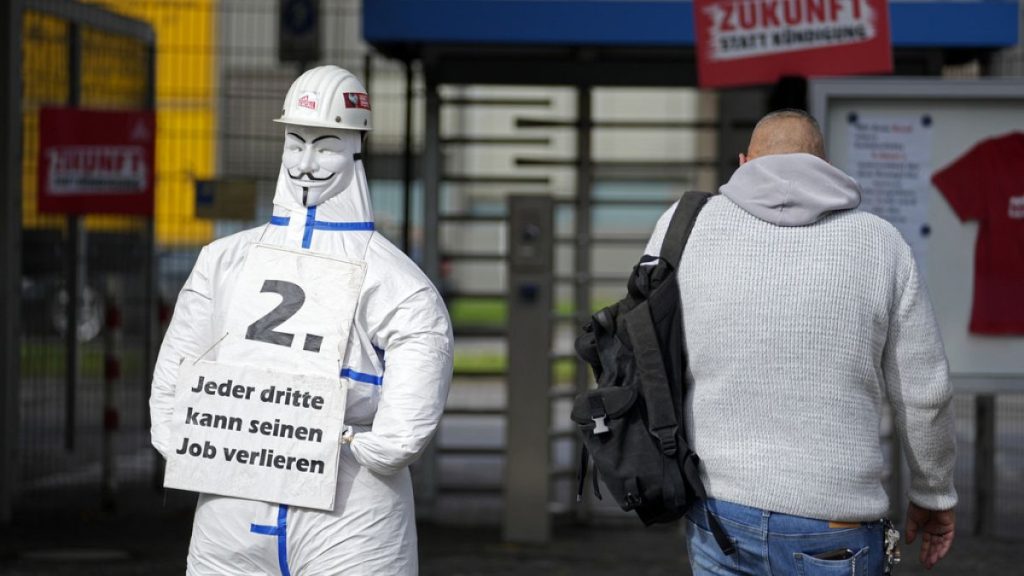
[398,361]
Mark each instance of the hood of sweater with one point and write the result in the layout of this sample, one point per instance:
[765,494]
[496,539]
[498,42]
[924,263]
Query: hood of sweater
[791,189]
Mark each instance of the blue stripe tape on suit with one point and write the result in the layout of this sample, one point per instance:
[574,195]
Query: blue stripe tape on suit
[281,531]
[321,225]
[307,236]
[362,377]
[343,226]
[282,540]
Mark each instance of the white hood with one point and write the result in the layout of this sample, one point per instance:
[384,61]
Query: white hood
[350,211]
[791,189]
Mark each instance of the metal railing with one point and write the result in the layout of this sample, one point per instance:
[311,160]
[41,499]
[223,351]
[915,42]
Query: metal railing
[989,477]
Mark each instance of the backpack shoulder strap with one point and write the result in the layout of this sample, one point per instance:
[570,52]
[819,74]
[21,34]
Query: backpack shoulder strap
[681,225]
[647,348]
[654,382]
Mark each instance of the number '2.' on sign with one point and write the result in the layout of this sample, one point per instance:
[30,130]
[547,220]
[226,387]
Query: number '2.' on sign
[292,310]
[292,299]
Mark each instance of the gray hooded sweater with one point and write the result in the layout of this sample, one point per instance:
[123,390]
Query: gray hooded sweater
[804,318]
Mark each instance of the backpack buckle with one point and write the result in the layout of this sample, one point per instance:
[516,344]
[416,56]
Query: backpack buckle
[667,440]
[599,414]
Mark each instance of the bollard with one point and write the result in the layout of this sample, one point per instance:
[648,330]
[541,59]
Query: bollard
[111,417]
[528,442]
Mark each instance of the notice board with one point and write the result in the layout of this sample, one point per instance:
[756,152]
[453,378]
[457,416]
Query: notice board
[941,121]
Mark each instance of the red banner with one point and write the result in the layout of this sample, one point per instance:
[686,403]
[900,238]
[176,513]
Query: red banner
[743,42]
[96,161]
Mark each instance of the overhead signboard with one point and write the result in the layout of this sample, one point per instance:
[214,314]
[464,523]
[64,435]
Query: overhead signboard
[656,23]
[93,161]
[747,42]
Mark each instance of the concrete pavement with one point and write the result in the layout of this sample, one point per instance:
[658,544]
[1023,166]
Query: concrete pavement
[148,535]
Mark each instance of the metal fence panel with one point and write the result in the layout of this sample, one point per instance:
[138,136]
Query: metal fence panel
[65,423]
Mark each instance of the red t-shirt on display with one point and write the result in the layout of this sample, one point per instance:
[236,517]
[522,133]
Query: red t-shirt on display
[987,184]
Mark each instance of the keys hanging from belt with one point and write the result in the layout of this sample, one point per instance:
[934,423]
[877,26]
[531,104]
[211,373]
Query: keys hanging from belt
[892,545]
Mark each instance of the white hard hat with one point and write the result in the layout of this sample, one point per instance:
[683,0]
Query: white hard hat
[327,97]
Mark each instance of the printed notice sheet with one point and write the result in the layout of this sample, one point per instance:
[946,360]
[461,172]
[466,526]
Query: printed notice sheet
[890,157]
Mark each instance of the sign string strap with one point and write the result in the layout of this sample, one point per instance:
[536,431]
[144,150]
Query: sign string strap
[208,350]
[262,234]
[347,432]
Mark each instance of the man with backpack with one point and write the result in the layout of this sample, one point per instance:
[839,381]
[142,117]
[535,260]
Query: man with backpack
[801,317]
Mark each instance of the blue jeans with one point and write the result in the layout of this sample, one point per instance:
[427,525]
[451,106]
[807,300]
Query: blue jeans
[774,544]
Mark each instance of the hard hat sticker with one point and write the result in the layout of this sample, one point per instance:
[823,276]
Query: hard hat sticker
[357,100]
[308,100]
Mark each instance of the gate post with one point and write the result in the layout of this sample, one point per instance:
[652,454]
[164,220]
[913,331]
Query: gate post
[984,465]
[10,256]
[528,445]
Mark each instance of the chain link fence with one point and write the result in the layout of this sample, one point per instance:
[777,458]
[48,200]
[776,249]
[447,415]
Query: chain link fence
[70,385]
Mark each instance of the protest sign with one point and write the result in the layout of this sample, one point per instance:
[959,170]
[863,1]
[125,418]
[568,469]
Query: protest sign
[292,310]
[260,415]
[257,434]
[96,161]
[745,42]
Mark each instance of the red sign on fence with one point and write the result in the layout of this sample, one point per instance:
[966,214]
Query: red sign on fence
[742,42]
[96,161]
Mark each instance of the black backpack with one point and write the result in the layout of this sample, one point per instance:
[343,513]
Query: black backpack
[632,423]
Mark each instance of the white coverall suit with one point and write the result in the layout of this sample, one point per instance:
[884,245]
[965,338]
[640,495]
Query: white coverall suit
[398,363]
